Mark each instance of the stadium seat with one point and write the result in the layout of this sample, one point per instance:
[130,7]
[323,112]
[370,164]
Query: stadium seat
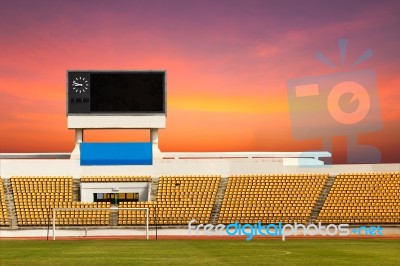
[179,200]
[4,219]
[36,197]
[363,198]
[91,179]
[284,198]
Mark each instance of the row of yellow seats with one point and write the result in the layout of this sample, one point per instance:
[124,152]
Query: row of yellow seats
[115,179]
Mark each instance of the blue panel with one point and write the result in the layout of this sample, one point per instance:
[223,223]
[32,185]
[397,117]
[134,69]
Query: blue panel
[93,153]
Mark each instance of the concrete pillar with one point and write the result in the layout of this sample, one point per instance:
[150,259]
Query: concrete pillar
[79,135]
[154,141]
[76,153]
[154,135]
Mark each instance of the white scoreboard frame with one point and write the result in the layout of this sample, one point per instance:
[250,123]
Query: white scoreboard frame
[116,121]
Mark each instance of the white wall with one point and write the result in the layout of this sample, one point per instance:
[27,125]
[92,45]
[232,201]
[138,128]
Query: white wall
[223,166]
[388,231]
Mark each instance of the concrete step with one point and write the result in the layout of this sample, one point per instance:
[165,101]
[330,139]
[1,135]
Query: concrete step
[322,198]
[218,200]
[114,215]
[76,189]
[10,202]
[154,187]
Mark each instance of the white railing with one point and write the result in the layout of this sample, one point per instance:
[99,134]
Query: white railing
[244,155]
[35,155]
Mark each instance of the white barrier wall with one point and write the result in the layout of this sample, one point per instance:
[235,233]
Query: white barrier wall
[221,166]
[83,232]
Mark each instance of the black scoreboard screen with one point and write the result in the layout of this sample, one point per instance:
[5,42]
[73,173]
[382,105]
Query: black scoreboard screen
[108,92]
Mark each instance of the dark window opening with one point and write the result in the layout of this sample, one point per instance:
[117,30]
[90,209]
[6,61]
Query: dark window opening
[115,198]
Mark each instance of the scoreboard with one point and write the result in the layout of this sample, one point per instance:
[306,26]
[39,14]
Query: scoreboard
[116,99]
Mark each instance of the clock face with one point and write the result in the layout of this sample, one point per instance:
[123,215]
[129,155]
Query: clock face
[80,85]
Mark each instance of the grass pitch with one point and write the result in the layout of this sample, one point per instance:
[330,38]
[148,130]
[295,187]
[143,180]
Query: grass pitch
[201,252]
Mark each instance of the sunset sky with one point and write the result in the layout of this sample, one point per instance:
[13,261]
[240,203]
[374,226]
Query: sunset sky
[227,63]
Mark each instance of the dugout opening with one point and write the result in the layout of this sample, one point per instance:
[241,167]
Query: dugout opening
[115,192]
[115,198]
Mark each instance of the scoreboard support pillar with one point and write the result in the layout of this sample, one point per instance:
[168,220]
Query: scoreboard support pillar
[76,153]
[154,141]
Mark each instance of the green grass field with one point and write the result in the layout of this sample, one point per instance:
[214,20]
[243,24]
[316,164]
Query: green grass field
[201,252]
